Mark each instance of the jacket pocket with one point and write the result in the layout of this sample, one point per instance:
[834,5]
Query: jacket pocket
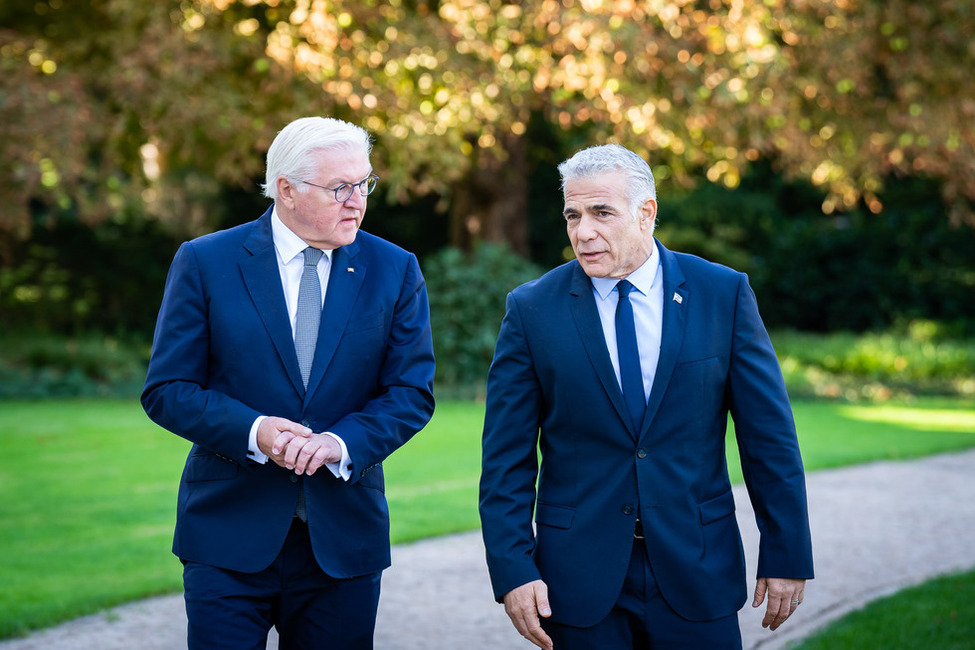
[367,322]
[717,508]
[210,467]
[554,516]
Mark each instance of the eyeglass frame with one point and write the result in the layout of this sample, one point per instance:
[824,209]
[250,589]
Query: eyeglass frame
[364,183]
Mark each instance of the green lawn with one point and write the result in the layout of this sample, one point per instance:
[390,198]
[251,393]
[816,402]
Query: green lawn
[89,489]
[937,614]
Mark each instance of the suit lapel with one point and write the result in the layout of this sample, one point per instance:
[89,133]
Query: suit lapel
[263,280]
[586,317]
[344,282]
[672,332]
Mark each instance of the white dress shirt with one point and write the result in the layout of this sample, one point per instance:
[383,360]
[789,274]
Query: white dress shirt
[647,298]
[289,248]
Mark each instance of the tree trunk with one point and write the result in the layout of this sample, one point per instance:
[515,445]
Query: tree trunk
[492,203]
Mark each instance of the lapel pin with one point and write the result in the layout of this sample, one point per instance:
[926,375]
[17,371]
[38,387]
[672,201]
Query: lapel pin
[677,298]
[350,270]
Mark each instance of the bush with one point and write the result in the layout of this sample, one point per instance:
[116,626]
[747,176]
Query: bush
[467,296]
[916,359]
[855,271]
[42,366]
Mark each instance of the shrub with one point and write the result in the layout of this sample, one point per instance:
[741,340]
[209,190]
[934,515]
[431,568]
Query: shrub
[41,366]
[902,361]
[467,295]
[854,271]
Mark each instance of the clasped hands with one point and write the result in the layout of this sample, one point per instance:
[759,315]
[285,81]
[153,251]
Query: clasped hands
[296,447]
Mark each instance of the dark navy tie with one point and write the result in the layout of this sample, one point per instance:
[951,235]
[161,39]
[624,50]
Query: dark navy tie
[631,377]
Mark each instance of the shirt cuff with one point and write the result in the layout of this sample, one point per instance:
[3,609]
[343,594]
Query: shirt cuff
[343,468]
[253,451]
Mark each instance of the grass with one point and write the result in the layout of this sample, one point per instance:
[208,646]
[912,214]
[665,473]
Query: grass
[89,489]
[937,614]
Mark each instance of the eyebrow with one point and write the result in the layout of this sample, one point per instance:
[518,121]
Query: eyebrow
[336,182]
[591,208]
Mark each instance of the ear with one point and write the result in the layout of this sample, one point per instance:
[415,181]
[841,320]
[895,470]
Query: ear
[286,192]
[648,214]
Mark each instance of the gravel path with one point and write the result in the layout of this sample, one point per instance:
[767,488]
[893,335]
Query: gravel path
[877,528]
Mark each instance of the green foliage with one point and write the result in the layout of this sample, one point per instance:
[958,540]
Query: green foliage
[855,271]
[919,358]
[70,279]
[467,299]
[43,366]
[918,361]
[937,614]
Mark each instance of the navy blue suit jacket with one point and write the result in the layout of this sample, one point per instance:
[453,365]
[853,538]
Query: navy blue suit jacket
[552,389]
[223,354]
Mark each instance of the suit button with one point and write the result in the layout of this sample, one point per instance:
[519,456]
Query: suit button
[294,478]
[305,423]
[627,510]
[641,453]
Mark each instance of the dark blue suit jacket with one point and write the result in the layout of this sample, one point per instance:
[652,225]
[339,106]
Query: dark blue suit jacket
[552,385]
[224,354]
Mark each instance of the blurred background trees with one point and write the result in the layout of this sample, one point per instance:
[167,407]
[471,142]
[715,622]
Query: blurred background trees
[825,147]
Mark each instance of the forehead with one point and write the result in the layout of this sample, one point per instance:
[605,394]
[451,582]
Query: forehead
[602,189]
[345,164]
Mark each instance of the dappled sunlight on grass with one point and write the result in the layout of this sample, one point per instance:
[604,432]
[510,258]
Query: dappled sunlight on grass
[913,418]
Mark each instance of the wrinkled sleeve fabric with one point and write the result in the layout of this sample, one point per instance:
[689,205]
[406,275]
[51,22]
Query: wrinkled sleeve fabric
[509,466]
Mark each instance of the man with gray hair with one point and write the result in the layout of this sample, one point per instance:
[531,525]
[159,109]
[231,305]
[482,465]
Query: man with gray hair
[620,369]
[284,345]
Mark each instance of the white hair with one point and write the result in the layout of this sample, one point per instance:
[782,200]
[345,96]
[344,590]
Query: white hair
[608,158]
[291,155]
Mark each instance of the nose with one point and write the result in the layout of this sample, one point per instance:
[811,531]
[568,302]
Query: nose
[356,200]
[585,230]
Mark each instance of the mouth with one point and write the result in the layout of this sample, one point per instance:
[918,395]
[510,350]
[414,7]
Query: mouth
[586,255]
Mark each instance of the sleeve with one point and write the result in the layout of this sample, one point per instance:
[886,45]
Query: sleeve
[177,393]
[768,446]
[404,402]
[509,461]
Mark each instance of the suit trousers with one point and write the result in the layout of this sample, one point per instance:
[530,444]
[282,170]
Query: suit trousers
[642,620]
[310,609]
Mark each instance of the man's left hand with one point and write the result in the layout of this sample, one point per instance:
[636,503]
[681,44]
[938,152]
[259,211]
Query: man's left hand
[784,596]
[306,455]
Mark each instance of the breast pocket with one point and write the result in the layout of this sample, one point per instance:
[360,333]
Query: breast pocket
[367,322]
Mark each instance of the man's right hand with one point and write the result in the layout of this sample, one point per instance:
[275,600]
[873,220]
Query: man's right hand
[524,605]
[274,434]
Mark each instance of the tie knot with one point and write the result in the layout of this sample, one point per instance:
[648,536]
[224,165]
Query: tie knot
[624,287]
[312,255]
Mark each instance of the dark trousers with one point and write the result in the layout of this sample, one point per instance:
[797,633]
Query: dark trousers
[311,610]
[642,620]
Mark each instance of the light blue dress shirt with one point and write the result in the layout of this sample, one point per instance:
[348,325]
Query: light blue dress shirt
[647,298]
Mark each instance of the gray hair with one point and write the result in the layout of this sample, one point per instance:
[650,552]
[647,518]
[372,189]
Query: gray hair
[613,157]
[290,155]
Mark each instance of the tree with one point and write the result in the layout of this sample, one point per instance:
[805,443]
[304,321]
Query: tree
[116,107]
[121,108]
[844,92]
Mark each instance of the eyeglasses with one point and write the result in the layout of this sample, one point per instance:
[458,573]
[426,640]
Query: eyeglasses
[344,191]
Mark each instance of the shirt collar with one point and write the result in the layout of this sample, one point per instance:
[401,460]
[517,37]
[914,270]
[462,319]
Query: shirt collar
[286,242]
[642,278]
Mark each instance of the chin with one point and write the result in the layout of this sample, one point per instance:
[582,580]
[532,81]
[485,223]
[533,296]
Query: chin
[593,272]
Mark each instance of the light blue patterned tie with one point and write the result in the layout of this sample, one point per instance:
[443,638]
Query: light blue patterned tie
[306,334]
[631,376]
[309,313]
